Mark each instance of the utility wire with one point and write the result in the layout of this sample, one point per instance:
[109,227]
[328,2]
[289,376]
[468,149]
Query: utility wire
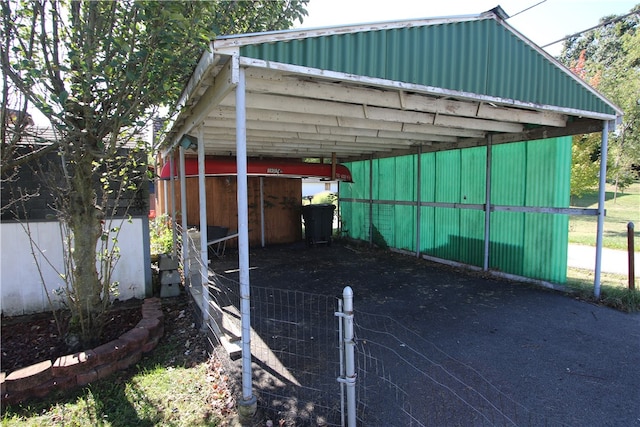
[619,18]
[529,8]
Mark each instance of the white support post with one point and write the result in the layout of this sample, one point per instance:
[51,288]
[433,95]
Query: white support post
[248,402]
[172,182]
[350,366]
[487,206]
[262,210]
[418,200]
[371,201]
[183,215]
[165,187]
[601,210]
[204,256]
[341,358]
[339,212]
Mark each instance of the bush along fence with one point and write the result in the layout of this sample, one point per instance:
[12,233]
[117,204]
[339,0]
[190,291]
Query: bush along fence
[79,369]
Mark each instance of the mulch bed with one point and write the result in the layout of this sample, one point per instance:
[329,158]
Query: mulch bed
[30,339]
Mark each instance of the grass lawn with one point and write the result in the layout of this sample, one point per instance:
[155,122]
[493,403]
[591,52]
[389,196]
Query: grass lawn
[625,208]
[614,291]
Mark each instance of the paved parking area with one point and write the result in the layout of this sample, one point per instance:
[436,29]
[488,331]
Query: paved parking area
[568,360]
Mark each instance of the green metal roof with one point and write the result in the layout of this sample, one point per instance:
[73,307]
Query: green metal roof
[480,56]
[385,89]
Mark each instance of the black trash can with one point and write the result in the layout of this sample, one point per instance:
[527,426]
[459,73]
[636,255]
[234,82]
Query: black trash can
[318,223]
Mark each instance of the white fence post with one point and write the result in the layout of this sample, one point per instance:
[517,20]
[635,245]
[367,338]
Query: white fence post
[342,373]
[349,375]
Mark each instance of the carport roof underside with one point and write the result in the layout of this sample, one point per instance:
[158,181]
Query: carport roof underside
[379,90]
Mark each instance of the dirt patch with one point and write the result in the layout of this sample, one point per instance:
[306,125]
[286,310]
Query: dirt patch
[30,339]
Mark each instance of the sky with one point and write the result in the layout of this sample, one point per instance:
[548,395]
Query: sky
[544,23]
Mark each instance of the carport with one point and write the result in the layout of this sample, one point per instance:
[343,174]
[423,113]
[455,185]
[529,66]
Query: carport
[373,91]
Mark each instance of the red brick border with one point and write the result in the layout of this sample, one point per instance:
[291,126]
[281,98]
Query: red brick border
[82,368]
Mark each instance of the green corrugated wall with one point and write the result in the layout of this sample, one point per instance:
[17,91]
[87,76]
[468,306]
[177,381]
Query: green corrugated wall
[534,174]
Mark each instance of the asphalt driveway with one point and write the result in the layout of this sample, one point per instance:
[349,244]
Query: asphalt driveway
[564,360]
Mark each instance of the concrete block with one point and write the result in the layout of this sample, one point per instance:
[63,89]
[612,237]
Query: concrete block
[135,338]
[130,360]
[107,369]
[150,345]
[154,326]
[111,351]
[14,398]
[87,377]
[73,364]
[63,383]
[170,277]
[169,290]
[167,263]
[29,377]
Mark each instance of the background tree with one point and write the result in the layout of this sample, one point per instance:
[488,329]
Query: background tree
[98,70]
[609,59]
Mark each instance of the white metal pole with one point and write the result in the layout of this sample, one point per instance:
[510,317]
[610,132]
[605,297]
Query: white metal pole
[339,213]
[183,210]
[601,211]
[350,366]
[204,255]
[418,201]
[172,182]
[487,206]
[165,186]
[262,210]
[243,238]
[371,201]
[341,352]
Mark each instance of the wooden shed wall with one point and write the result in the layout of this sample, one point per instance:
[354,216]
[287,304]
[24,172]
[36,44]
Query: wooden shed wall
[282,201]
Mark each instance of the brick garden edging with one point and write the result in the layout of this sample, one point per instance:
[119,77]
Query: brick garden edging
[82,368]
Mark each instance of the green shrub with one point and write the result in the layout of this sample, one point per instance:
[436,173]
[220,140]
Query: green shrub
[161,235]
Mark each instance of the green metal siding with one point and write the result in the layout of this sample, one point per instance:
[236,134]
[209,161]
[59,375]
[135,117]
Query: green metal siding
[481,57]
[533,173]
[471,238]
[508,188]
[427,194]
[394,179]
[355,216]
[447,220]
[551,180]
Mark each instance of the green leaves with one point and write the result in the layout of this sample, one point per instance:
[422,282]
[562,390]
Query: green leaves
[609,59]
[97,70]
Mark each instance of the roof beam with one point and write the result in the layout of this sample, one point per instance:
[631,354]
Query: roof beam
[268,81]
[478,124]
[271,120]
[339,109]
[323,140]
[544,118]
[223,84]
[345,127]
[580,126]
[437,92]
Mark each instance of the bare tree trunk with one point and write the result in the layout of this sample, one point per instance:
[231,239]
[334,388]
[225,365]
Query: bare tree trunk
[85,223]
[617,163]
